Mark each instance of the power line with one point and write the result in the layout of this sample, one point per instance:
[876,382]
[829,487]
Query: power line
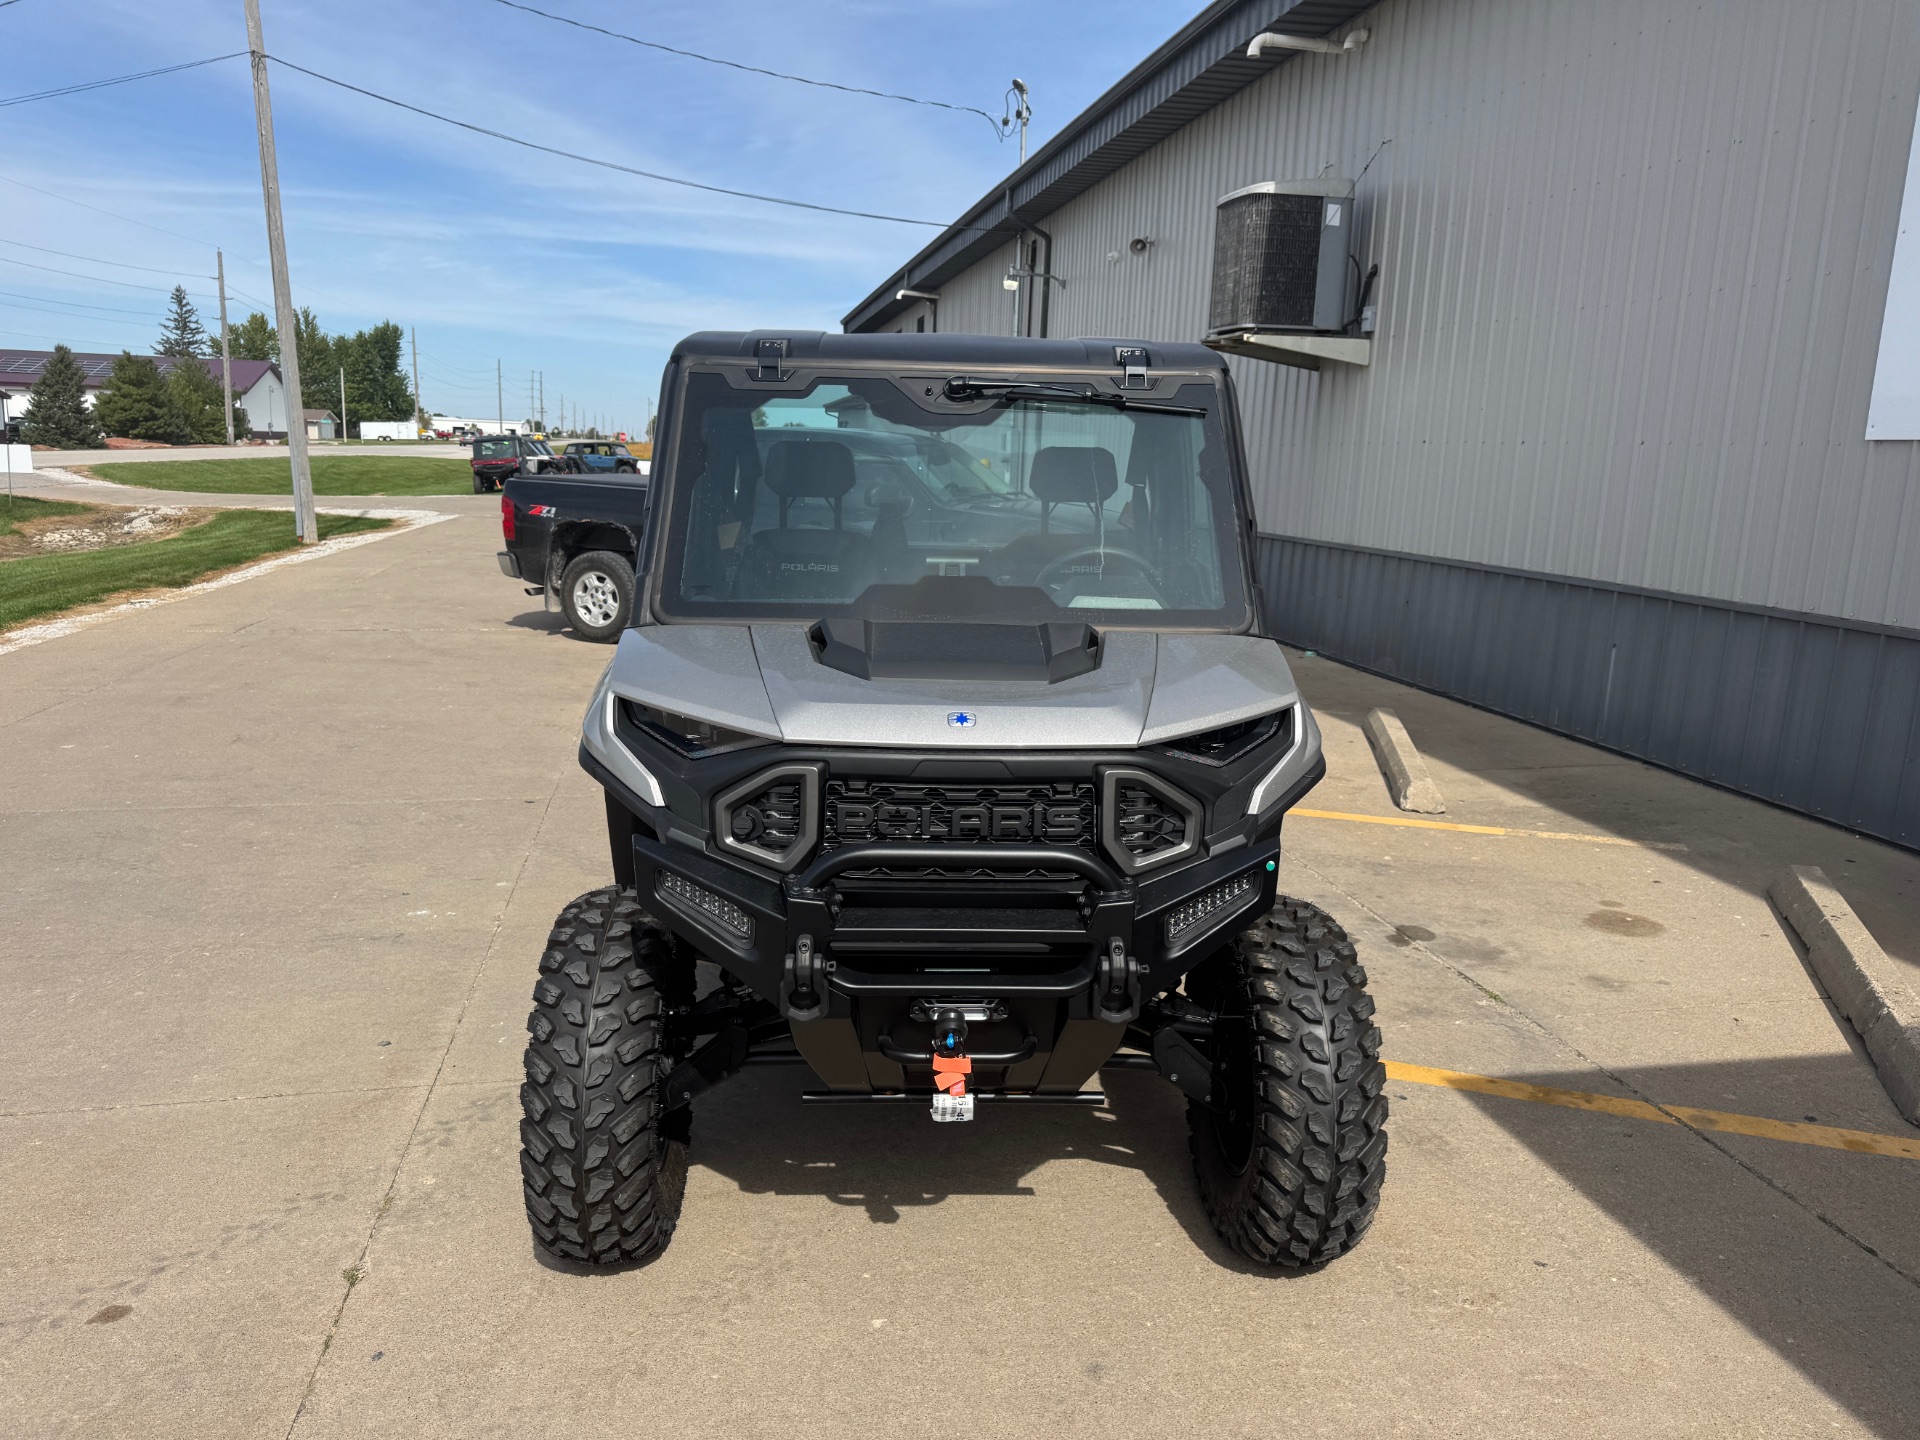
[114,214]
[607,164]
[999,125]
[90,259]
[96,279]
[76,304]
[116,80]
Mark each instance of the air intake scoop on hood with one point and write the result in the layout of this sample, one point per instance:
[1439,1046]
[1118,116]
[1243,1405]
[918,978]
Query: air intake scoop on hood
[946,650]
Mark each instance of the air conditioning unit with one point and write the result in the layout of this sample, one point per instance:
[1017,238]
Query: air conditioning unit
[1280,258]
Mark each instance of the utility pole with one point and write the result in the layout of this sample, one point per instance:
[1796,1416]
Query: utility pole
[305,524]
[343,404]
[226,352]
[543,401]
[499,398]
[530,407]
[1022,112]
[413,337]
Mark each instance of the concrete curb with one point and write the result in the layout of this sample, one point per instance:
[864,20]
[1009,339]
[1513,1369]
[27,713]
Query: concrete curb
[1863,981]
[1408,782]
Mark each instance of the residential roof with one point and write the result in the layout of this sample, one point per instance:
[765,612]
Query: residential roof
[23,367]
[311,415]
[1203,64]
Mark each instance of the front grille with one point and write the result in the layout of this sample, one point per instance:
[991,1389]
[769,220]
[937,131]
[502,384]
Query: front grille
[1148,824]
[953,820]
[771,819]
[959,816]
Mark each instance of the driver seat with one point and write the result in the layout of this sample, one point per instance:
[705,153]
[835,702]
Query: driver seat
[795,564]
[1060,475]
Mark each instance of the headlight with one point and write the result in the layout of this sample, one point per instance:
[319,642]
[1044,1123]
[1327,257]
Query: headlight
[1230,742]
[696,739]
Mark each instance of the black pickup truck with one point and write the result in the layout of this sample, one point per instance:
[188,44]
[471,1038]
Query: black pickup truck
[576,539]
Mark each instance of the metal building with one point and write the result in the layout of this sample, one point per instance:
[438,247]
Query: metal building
[1606,466]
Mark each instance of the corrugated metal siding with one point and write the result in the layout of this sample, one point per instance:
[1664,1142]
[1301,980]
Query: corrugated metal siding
[1820,717]
[1633,261]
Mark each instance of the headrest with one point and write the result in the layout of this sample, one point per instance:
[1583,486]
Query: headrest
[1073,474]
[809,469]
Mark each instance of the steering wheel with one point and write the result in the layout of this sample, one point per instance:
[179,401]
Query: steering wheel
[1140,563]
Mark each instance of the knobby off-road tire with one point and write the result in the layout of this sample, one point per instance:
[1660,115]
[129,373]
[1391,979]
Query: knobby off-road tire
[604,1171]
[1291,1154]
[596,594]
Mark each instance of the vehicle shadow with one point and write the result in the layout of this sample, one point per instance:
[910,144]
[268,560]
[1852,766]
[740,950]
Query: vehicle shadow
[1773,1253]
[547,622]
[887,1159]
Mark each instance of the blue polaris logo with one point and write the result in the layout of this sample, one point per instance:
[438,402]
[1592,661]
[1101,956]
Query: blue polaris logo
[963,719]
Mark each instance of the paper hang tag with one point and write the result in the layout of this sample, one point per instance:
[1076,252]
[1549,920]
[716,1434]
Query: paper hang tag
[950,1108]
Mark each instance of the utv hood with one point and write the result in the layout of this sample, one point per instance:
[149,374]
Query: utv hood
[769,680]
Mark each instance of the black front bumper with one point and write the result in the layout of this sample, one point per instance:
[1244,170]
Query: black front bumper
[1058,970]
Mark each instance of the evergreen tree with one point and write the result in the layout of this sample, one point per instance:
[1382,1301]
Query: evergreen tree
[181,332]
[195,397]
[136,403]
[254,339]
[59,415]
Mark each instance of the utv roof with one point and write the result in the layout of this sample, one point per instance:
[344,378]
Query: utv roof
[999,351]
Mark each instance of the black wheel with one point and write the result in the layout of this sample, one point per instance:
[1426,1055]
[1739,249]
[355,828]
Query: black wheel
[480,487]
[1292,1151]
[596,594]
[603,1169]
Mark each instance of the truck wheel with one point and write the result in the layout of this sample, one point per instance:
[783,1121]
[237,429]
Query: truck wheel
[603,1177]
[596,592]
[1291,1153]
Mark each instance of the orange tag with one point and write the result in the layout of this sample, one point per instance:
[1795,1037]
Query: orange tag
[950,1073]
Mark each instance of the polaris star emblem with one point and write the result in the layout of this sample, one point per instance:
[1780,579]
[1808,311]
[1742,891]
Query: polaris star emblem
[963,719]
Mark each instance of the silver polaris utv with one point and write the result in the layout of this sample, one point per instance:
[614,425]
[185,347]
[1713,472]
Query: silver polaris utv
[946,755]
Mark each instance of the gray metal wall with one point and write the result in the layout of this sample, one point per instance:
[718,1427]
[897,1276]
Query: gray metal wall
[1633,257]
[1633,261]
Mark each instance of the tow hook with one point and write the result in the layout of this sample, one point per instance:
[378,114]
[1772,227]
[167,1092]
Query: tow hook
[806,978]
[1116,984]
[951,1066]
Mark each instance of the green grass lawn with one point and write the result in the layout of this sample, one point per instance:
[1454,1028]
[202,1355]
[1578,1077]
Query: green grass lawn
[18,510]
[332,475]
[40,585]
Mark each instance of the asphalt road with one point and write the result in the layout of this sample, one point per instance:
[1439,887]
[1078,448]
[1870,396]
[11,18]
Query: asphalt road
[276,863]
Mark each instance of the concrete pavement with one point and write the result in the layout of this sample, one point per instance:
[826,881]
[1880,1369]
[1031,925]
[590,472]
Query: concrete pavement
[276,863]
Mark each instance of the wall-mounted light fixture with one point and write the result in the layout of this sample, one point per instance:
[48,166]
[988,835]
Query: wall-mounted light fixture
[1273,40]
[932,297]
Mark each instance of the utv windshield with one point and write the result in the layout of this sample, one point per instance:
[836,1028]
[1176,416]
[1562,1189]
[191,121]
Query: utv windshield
[494,450]
[863,497]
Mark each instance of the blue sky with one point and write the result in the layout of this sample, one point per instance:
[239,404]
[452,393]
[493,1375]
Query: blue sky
[496,252]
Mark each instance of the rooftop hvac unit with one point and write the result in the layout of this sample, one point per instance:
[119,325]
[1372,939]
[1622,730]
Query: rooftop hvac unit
[1280,258]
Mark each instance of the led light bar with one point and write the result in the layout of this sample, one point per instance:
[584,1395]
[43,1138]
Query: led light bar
[1192,917]
[698,903]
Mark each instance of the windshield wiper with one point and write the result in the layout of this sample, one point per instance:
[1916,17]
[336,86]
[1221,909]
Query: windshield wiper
[960,388]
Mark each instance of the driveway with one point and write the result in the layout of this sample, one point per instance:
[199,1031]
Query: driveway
[276,865]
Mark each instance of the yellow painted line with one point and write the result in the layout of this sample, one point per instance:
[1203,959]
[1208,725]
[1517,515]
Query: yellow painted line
[1830,1137]
[1407,823]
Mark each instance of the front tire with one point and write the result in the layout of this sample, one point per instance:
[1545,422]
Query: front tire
[1291,1154]
[602,1173]
[596,592]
